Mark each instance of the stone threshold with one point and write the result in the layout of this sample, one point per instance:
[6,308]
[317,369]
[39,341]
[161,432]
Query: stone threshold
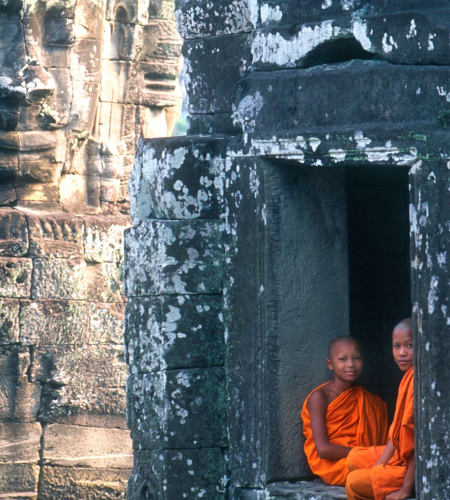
[306,490]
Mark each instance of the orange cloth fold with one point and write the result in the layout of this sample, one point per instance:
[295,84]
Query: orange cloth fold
[355,418]
[390,477]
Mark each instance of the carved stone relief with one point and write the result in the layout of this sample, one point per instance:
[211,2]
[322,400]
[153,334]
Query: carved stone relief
[80,82]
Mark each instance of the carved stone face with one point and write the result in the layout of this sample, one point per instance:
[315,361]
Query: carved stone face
[50,70]
[58,145]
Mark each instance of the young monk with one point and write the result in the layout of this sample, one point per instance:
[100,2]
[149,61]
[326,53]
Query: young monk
[387,472]
[339,415]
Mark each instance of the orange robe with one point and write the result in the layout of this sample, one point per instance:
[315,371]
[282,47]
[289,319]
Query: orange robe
[390,477]
[355,418]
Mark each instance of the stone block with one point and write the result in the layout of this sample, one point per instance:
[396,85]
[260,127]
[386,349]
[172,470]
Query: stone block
[104,282]
[20,442]
[59,279]
[200,19]
[173,257]
[103,238]
[73,483]
[183,474]
[399,94]
[177,409]
[19,398]
[41,171]
[218,123]
[215,67]
[19,481]
[9,321]
[7,192]
[37,192]
[168,332]
[52,322]
[80,446]
[15,277]
[81,384]
[106,322]
[79,191]
[63,322]
[162,184]
[13,233]
[55,236]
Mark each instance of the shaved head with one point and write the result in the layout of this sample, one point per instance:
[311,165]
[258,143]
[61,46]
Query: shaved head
[404,325]
[342,339]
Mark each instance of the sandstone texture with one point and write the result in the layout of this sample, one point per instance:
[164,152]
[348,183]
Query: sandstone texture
[80,83]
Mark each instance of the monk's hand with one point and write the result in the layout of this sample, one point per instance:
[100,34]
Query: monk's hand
[400,494]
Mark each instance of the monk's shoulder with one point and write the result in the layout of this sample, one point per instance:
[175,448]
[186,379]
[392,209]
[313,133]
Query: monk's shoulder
[317,400]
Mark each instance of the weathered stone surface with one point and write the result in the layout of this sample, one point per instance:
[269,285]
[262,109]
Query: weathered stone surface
[79,446]
[15,277]
[63,322]
[174,257]
[103,238]
[302,490]
[177,409]
[20,442]
[173,474]
[104,282]
[73,483]
[215,67]
[184,331]
[13,233]
[413,97]
[55,236]
[9,321]
[218,123]
[59,279]
[19,398]
[76,93]
[7,193]
[215,18]
[93,392]
[19,481]
[162,185]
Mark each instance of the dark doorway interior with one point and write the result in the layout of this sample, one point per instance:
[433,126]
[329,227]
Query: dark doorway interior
[379,269]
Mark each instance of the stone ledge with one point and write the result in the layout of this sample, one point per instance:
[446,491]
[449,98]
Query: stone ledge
[302,490]
[306,490]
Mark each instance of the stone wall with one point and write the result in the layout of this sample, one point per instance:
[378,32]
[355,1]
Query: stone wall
[249,211]
[80,82]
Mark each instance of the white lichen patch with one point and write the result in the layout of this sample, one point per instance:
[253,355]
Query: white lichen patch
[275,49]
[338,155]
[217,19]
[359,30]
[269,14]
[247,111]
[388,44]
[412,30]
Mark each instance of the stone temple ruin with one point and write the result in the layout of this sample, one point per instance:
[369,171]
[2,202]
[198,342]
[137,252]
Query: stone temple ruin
[80,82]
[309,199]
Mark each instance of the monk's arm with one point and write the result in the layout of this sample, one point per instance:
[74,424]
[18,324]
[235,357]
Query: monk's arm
[408,483]
[317,408]
[387,454]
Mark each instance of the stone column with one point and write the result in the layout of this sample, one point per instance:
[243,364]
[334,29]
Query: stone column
[174,326]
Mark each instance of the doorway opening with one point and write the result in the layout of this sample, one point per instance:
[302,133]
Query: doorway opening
[379,269]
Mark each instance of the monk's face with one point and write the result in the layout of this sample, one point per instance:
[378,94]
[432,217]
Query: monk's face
[346,361]
[402,348]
